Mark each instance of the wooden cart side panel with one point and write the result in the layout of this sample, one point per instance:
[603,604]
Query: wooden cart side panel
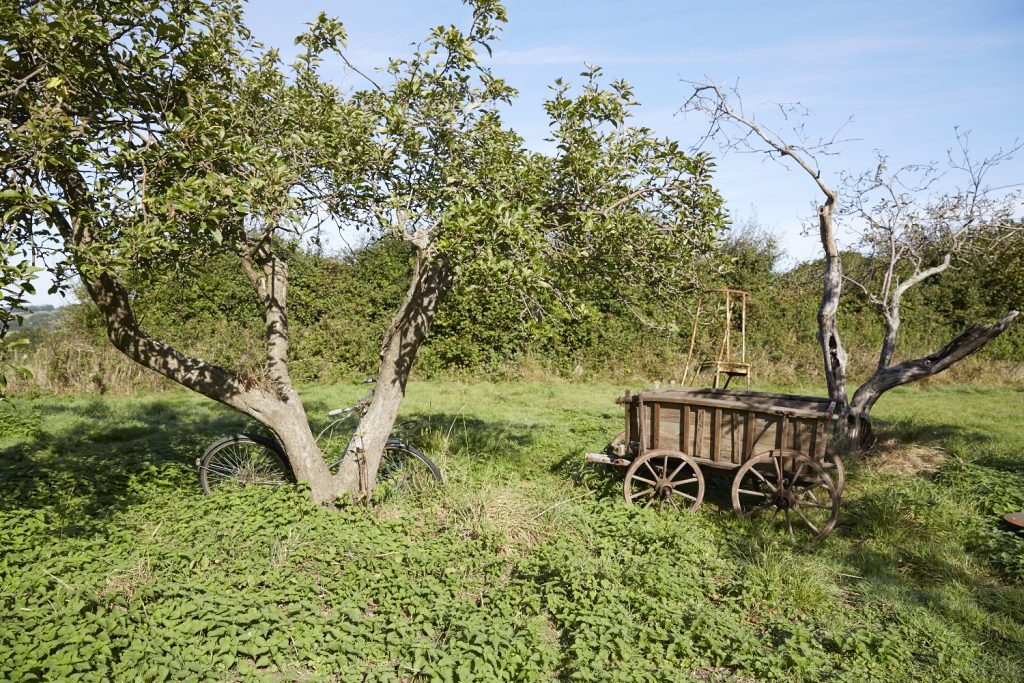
[801,439]
[720,434]
[766,433]
[669,427]
[734,428]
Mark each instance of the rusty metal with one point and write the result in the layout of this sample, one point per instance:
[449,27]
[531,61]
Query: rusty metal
[1015,518]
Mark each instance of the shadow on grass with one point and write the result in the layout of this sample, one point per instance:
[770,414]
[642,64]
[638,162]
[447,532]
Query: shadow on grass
[916,430]
[86,460]
[474,442]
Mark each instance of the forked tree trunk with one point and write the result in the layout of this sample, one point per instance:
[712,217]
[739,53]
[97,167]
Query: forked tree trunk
[279,409]
[286,417]
[431,282]
[278,406]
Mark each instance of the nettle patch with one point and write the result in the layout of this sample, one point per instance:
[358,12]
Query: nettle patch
[113,566]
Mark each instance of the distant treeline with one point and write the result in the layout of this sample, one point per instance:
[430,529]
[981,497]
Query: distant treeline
[340,307]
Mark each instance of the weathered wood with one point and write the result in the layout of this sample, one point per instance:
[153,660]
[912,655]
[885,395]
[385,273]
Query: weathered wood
[656,425]
[687,447]
[798,406]
[748,436]
[732,427]
[698,439]
[716,435]
[603,459]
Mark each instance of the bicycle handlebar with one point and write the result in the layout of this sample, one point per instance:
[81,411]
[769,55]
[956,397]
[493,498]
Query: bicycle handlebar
[363,402]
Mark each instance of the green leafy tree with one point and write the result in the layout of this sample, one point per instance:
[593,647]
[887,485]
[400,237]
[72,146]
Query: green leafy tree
[146,138]
[16,275]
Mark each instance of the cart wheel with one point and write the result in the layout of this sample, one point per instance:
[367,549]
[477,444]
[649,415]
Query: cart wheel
[833,465]
[668,479]
[789,483]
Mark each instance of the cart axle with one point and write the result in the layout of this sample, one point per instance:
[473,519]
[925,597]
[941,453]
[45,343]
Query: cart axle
[607,460]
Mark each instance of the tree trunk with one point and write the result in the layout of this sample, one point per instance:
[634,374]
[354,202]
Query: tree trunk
[269,277]
[833,353]
[431,281]
[964,344]
[278,407]
[279,410]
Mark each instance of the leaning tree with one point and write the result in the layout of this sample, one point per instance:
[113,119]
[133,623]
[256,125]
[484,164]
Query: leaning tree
[908,230]
[142,138]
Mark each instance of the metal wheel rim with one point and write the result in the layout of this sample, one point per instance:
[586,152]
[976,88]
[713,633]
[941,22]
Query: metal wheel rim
[402,473]
[244,463]
[666,480]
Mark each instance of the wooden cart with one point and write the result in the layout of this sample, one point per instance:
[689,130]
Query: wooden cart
[777,444]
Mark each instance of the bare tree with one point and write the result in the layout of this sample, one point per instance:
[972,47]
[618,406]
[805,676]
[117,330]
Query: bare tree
[909,231]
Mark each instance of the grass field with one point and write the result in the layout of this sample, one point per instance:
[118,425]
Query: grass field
[527,565]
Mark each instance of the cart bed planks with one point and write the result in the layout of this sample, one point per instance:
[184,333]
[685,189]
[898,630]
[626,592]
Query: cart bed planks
[777,443]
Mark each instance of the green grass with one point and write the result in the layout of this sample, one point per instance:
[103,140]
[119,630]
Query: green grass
[527,565]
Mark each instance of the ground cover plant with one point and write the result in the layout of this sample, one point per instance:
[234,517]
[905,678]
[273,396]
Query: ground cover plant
[527,565]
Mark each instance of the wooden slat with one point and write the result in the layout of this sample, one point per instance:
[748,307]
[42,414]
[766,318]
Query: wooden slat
[633,421]
[668,430]
[716,435]
[698,439]
[822,440]
[641,418]
[668,396]
[803,441]
[748,437]
[656,426]
[736,436]
[686,446]
[628,406]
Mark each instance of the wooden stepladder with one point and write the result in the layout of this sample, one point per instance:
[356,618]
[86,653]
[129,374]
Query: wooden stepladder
[725,364]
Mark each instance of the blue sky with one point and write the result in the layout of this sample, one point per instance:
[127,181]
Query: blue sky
[906,72]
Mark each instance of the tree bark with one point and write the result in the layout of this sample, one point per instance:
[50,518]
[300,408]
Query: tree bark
[277,407]
[431,282]
[833,353]
[964,344]
[269,277]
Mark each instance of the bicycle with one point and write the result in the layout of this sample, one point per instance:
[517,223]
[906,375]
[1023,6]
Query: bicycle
[254,460]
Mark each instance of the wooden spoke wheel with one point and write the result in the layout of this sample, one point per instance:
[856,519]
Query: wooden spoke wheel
[666,480]
[833,465]
[788,488]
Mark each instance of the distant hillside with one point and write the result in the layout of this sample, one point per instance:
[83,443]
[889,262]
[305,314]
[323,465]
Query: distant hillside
[42,317]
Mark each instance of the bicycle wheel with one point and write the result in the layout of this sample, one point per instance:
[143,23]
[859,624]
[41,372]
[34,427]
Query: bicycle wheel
[242,460]
[404,471]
